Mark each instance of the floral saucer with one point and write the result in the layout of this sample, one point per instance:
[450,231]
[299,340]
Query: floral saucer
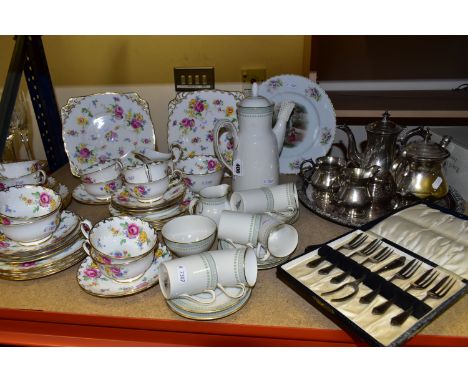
[223,305]
[151,216]
[271,262]
[32,266]
[92,281]
[123,201]
[82,196]
[61,189]
[68,223]
[100,127]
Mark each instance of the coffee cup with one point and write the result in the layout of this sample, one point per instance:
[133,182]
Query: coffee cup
[241,228]
[152,191]
[278,239]
[282,197]
[103,190]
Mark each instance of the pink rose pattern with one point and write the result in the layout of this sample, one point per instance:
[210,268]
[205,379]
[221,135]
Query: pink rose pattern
[92,273]
[44,199]
[132,231]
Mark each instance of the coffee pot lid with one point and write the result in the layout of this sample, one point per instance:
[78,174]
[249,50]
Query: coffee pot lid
[428,150]
[255,101]
[384,126]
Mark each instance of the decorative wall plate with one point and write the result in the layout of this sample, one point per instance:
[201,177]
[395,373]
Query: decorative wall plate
[311,127]
[82,196]
[223,305]
[95,283]
[68,223]
[100,127]
[192,116]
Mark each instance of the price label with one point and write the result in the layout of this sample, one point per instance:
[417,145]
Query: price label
[437,183]
[182,273]
[237,167]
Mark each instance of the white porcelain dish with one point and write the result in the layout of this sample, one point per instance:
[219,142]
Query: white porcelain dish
[311,128]
[189,235]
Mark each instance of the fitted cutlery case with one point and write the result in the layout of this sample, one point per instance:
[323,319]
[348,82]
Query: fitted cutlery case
[416,269]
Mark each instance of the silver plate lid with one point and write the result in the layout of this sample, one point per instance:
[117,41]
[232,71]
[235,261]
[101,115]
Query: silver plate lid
[384,126]
[427,150]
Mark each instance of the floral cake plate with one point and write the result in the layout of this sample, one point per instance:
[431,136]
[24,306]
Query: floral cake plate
[192,116]
[123,201]
[100,127]
[82,196]
[311,127]
[92,281]
[223,306]
[9,248]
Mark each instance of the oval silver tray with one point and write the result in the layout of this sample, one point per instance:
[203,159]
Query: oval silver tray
[320,204]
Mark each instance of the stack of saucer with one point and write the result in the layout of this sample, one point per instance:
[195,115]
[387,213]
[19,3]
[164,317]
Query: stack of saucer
[172,203]
[62,250]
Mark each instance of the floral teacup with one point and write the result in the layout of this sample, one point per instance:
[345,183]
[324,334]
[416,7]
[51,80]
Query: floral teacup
[152,191]
[29,214]
[143,173]
[200,171]
[101,172]
[36,178]
[18,169]
[103,190]
[120,239]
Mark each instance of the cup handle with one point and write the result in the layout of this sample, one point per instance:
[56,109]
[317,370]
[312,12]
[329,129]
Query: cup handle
[42,177]
[200,300]
[303,168]
[147,172]
[192,205]
[240,295]
[175,177]
[86,226]
[267,252]
[176,158]
[87,247]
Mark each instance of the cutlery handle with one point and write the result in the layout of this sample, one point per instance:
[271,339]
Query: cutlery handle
[369,297]
[326,270]
[382,308]
[315,262]
[339,278]
[402,317]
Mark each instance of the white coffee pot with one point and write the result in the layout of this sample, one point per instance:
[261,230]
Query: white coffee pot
[257,146]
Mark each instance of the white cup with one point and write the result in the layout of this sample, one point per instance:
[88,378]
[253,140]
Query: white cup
[278,239]
[36,178]
[236,267]
[239,227]
[282,197]
[184,277]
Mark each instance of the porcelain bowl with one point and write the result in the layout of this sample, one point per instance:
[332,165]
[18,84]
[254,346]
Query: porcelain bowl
[29,214]
[36,178]
[189,235]
[103,190]
[120,239]
[137,174]
[201,171]
[119,269]
[18,169]
[101,172]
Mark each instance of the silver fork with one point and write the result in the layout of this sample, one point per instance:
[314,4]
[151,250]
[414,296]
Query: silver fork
[355,284]
[403,274]
[437,292]
[366,251]
[382,255]
[352,244]
[423,282]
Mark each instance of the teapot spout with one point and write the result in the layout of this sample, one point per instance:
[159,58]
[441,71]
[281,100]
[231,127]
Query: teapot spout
[352,153]
[279,130]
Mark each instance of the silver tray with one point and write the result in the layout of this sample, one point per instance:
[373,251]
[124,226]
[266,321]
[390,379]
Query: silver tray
[320,203]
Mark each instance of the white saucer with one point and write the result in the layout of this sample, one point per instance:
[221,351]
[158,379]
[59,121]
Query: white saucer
[82,196]
[271,262]
[68,223]
[151,216]
[95,283]
[223,305]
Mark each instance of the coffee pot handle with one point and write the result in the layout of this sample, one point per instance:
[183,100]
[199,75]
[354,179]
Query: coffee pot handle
[421,131]
[228,125]
[303,168]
